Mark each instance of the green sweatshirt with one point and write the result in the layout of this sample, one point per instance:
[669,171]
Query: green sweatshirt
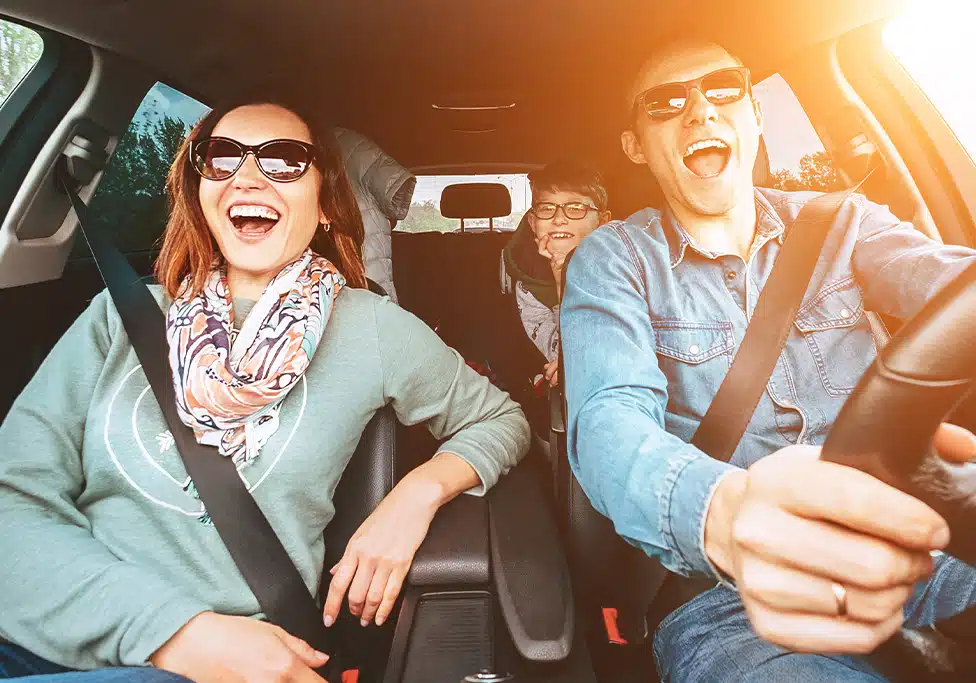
[104,552]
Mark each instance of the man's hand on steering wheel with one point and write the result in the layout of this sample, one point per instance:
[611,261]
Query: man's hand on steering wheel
[806,541]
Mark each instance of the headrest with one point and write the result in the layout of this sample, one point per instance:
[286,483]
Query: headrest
[476,200]
[761,174]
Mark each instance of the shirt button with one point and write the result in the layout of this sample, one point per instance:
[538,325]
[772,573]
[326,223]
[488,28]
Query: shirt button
[731,275]
[845,313]
[694,349]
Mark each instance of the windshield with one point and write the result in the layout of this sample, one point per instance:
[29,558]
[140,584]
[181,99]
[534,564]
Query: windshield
[934,42]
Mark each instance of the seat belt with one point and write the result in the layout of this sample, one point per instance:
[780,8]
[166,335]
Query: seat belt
[731,410]
[245,531]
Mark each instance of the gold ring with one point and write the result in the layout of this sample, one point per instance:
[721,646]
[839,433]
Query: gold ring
[840,594]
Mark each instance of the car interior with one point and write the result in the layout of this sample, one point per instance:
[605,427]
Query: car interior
[530,580]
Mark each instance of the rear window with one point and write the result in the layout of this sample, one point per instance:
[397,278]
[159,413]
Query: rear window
[130,202]
[797,157]
[425,209]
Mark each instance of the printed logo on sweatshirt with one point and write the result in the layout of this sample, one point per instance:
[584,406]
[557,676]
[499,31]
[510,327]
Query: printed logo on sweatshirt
[144,452]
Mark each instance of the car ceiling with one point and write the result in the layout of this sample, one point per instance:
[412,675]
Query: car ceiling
[379,65]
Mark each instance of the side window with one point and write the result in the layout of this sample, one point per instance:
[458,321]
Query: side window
[797,157]
[935,48]
[20,50]
[425,209]
[131,198]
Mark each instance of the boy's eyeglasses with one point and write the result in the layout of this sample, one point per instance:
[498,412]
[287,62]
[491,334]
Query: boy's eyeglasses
[282,161]
[666,101]
[573,210]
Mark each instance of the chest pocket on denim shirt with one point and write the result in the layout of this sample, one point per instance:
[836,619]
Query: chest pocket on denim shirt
[695,357]
[838,335]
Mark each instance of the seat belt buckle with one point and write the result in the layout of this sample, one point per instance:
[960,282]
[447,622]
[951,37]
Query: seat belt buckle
[612,628]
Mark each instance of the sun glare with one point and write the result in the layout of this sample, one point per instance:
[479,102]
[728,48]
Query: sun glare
[934,40]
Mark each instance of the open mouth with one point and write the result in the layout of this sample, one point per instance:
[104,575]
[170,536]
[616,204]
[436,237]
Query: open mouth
[707,158]
[253,220]
[560,235]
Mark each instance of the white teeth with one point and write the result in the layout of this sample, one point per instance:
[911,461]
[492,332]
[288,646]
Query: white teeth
[705,144]
[560,235]
[254,211]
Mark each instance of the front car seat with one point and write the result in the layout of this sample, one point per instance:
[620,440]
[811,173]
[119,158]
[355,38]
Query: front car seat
[488,589]
[618,581]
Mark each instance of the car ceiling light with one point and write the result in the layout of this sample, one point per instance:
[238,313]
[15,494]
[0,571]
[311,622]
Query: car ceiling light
[494,107]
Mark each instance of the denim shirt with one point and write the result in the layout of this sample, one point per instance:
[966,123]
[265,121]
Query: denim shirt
[650,324]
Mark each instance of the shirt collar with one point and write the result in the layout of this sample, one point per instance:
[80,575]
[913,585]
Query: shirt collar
[769,226]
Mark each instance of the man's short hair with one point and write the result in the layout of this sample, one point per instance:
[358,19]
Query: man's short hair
[665,49]
[570,176]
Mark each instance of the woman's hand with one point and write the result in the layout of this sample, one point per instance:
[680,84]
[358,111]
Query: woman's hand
[792,528]
[214,647]
[379,554]
[551,372]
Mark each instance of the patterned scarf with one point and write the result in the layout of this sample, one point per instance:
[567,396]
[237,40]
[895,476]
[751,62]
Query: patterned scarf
[229,390]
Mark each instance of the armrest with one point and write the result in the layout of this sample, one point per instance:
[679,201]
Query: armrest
[557,422]
[455,550]
[529,569]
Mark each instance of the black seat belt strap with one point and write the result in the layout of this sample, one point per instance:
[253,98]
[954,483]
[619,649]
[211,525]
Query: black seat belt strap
[729,414]
[245,531]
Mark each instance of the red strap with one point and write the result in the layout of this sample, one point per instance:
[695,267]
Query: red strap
[610,621]
[350,676]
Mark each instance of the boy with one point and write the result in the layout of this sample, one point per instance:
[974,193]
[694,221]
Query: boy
[569,202]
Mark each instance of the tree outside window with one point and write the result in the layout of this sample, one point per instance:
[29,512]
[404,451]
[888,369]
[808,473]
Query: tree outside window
[817,172]
[131,202]
[20,49]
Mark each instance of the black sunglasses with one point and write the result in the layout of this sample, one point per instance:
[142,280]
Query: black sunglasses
[573,210]
[282,161]
[668,100]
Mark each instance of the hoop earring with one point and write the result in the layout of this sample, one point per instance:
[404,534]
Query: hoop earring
[326,226]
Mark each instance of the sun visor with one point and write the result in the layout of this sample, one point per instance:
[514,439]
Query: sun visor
[476,200]
[761,173]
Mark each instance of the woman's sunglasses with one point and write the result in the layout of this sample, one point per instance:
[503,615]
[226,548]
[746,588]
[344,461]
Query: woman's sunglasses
[282,161]
[666,101]
[573,210]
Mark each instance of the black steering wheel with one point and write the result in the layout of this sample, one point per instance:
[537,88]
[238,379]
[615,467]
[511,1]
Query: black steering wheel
[926,375]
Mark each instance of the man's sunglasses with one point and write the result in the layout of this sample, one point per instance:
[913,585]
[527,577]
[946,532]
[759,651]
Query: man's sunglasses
[666,101]
[573,210]
[282,161]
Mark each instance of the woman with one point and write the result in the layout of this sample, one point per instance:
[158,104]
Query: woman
[280,357]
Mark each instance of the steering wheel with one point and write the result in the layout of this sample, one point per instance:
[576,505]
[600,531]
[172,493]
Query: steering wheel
[926,375]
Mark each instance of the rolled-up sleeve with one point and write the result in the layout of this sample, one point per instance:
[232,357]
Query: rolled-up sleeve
[427,382]
[898,268]
[653,486]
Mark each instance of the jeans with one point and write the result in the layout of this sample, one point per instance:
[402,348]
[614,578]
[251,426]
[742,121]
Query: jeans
[709,639]
[16,662]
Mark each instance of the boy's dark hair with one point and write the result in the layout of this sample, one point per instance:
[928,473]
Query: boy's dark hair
[569,176]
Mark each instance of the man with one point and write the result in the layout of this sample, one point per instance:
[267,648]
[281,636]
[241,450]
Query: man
[569,202]
[654,310]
